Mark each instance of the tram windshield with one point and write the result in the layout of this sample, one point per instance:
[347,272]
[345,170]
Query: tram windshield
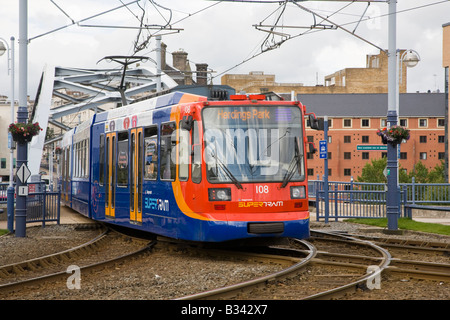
[253,144]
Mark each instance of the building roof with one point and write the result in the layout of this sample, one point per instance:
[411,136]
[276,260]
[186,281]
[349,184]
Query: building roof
[373,105]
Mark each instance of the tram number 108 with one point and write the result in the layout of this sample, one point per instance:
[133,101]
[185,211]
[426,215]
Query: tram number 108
[262,188]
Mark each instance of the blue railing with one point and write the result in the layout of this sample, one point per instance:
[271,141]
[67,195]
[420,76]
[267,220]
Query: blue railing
[42,205]
[368,200]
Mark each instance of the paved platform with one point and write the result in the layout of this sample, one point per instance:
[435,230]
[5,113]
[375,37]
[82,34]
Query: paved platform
[68,216]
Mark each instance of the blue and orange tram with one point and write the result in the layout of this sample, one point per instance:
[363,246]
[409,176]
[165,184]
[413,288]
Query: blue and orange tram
[182,166]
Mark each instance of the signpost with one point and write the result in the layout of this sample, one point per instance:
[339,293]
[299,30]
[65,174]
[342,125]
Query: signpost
[323,149]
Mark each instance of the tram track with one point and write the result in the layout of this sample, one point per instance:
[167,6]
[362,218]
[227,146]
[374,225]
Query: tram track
[95,253]
[330,265]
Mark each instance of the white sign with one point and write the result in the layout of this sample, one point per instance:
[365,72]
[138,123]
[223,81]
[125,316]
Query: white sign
[23,173]
[23,190]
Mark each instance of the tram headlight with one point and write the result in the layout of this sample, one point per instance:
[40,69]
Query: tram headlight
[219,194]
[298,192]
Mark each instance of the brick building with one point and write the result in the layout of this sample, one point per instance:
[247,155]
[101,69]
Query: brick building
[354,120]
[371,79]
[446,65]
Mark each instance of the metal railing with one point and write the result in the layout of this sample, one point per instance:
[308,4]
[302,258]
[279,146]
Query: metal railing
[368,200]
[42,205]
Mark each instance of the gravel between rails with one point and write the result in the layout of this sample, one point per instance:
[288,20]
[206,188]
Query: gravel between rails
[167,275]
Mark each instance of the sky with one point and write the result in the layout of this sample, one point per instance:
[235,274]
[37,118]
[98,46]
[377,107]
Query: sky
[223,35]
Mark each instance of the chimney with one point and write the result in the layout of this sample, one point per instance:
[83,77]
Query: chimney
[202,74]
[163,56]
[180,59]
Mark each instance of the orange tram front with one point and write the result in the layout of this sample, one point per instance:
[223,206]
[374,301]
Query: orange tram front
[199,170]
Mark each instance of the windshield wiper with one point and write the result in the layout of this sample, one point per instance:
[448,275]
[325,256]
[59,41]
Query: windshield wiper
[227,172]
[295,163]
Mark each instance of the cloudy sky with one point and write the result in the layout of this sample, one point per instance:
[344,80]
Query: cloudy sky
[223,35]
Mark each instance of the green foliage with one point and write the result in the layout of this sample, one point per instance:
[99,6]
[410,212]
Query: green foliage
[407,224]
[373,172]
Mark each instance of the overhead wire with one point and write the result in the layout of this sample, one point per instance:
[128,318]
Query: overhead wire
[318,30]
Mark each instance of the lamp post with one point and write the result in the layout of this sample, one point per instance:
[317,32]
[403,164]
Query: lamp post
[392,201]
[411,58]
[11,72]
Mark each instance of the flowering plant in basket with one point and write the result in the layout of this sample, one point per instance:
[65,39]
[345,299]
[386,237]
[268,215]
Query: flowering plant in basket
[394,134]
[23,132]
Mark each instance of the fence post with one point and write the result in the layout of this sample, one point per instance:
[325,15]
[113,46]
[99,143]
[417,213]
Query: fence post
[413,186]
[58,205]
[44,207]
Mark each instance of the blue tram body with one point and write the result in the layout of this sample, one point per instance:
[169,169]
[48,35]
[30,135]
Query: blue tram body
[146,166]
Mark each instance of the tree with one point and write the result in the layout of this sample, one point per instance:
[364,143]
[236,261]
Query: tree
[373,172]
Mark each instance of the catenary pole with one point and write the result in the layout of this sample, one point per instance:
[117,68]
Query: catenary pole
[22,116]
[392,201]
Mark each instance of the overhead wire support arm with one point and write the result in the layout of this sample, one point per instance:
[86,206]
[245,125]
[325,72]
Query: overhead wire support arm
[85,19]
[340,27]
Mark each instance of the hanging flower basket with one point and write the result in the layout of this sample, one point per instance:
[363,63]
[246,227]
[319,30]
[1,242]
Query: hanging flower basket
[394,135]
[24,132]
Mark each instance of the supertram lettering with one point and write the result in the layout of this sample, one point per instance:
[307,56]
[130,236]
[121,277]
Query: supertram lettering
[156,204]
[260,204]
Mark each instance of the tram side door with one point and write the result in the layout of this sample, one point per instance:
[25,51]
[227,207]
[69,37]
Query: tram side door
[136,175]
[110,185]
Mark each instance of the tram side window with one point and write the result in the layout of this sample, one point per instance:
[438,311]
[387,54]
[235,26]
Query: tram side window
[101,179]
[168,170]
[151,153]
[183,154]
[122,159]
[196,154]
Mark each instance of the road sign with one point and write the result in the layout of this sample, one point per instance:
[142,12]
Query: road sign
[381,147]
[23,173]
[323,149]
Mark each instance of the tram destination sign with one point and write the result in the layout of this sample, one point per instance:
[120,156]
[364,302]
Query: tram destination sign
[381,147]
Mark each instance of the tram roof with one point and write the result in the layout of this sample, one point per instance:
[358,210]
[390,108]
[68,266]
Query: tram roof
[169,99]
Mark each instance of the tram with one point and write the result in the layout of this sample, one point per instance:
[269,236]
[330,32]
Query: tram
[185,167]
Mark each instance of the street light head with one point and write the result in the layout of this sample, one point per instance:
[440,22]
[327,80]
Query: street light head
[2,48]
[411,59]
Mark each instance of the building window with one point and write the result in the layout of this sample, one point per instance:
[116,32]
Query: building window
[329,155]
[423,156]
[347,123]
[423,139]
[347,172]
[310,172]
[441,139]
[347,155]
[347,139]
[384,155]
[404,123]
[3,163]
[423,123]
[365,139]
[310,138]
[365,156]
[329,172]
[383,123]
[441,122]
[309,155]
[329,139]
[441,155]
[403,155]
[365,123]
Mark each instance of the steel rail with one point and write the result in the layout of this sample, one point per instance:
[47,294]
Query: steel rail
[63,274]
[232,289]
[44,261]
[339,291]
